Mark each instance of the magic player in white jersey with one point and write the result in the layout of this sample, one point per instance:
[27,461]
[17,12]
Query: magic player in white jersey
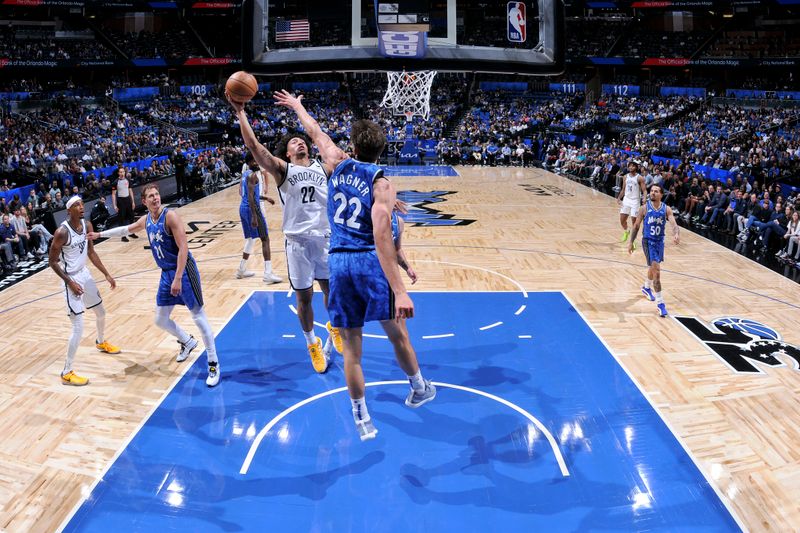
[631,197]
[303,188]
[68,254]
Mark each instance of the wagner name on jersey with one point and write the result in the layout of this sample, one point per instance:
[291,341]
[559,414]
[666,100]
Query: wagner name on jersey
[304,195]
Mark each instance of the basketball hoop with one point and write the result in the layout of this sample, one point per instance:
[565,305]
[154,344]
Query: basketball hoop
[409,94]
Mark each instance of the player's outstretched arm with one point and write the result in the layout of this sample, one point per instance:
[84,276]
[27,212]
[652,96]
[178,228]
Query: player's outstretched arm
[120,231]
[384,198]
[635,230]
[264,157]
[676,230]
[331,154]
[95,259]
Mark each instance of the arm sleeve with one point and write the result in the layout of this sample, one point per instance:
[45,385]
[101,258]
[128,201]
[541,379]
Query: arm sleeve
[121,231]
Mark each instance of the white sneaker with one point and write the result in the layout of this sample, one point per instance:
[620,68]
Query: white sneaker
[186,349]
[213,374]
[241,274]
[269,277]
[366,429]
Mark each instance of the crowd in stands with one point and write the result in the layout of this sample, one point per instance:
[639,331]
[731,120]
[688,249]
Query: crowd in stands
[775,42]
[177,43]
[593,36]
[636,110]
[43,45]
[645,42]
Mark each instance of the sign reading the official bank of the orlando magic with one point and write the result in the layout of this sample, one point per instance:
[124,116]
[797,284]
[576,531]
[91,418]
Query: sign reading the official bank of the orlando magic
[419,214]
[743,344]
[517,31]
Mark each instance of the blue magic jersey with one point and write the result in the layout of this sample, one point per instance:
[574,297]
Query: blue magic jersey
[162,243]
[350,206]
[245,205]
[655,221]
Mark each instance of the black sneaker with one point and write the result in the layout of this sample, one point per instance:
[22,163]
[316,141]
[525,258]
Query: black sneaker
[133,236]
[124,239]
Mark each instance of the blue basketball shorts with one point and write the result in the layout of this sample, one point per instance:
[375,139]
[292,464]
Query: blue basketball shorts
[259,231]
[653,250]
[191,292]
[359,291]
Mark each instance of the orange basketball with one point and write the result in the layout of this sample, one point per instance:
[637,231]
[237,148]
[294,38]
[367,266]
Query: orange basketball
[241,86]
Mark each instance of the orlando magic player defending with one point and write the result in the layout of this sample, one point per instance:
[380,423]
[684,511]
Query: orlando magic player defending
[654,214]
[365,279]
[68,253]
[631,197]
[253,190]
[303,189]
[180,279]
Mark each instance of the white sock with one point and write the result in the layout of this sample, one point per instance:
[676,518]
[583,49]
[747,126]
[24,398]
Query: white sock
[659,299]
[74,341]
[267,267]
[166,323]
[647,284]
[311,338]
[360,413]
[328,345]
[100,315]
[242,265]
[416,381]
[201,320]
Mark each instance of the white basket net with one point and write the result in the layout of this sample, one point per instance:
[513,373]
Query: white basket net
[409,92]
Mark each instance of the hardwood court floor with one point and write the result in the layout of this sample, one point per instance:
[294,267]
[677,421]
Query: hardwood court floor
[530,226]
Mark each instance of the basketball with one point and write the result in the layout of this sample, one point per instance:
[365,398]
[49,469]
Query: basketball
[241,86]
[749,326]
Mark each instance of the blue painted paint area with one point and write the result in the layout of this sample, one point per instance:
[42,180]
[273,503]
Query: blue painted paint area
[419,170]
[463,460]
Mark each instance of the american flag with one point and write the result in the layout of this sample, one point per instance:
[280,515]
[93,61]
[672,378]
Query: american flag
[291,30]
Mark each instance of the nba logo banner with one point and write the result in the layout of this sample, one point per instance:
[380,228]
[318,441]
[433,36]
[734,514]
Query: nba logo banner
[516,22]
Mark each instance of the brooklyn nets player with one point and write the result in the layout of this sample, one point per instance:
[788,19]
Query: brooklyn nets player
[303,189]
[68,254]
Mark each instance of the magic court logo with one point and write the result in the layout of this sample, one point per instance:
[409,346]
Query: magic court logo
[420,214]
[743,344]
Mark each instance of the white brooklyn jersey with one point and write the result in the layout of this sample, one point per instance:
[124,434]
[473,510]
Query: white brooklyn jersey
[304,195]
[633,193]
[74,252]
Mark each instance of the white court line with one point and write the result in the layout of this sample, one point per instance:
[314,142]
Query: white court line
[86,493]
[719,493]
[289,336]
[525,336]
[263,433]
[490,326]
[442,336]
[294,310]
[512,280]
[520,310]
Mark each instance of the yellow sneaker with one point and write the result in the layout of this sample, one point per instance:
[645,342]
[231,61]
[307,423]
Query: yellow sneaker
[107,347]
[337,338]
[318,358]
[625,235]
[71,378]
